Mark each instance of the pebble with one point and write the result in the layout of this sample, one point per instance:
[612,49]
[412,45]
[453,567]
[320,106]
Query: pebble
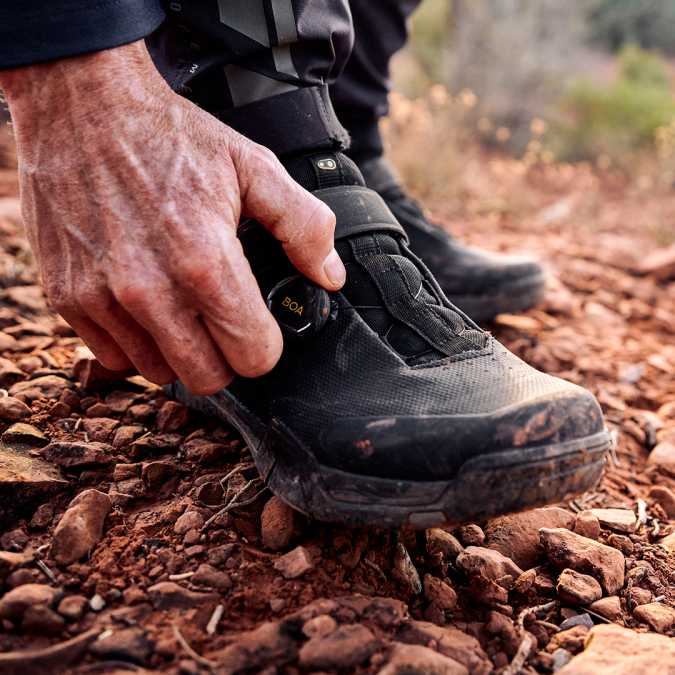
[80,527]
[418,660]
[443,544]
[319,626]
[659,616]
[587,525]
[668,542]
[577,588]
[73,607]
[14,603]
[156,475]
[11,561]
[346,647]
[295,563]
[77,455]
[42,620]
[609,607]
[13,410]
[20,577]
[9,373]
[96,603]
[172,416]
[405,572]
[663,496]
[471,535]
[47,386]
[577,620]
[568,549]
[662,456]
[621,542]
[127,434]
[517,535]
[278,524]
[207,575]
[168,595]
[621,520]
[190,520]
[620,651]
[439,593]
[127,644]
[23,436]
[488,563]
[99,428]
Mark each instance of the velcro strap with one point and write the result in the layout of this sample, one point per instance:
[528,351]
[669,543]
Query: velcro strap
[359,210]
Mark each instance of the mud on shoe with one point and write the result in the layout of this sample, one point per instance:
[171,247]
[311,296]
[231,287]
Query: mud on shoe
[389,405]
[481,283]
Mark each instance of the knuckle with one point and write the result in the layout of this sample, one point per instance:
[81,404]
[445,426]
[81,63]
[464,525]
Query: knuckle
[198,274]
[132,295]
[92,300]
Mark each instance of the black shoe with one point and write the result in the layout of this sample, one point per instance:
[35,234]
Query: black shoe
[481,283]
[389,406]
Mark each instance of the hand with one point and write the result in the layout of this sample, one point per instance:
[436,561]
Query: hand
[131,197]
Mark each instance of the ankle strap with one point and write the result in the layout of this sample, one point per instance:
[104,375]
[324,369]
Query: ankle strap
[359,210]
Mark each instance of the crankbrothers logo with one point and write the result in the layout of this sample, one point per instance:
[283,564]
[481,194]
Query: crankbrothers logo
[293,306]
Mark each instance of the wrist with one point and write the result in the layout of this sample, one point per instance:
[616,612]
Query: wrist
[88,86]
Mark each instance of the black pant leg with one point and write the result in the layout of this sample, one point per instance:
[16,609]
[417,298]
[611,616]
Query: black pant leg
[262,66]
[360,93]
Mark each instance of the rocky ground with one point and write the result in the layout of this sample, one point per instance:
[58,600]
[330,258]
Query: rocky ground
[137,537]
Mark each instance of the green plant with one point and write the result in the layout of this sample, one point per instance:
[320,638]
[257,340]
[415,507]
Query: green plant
[616,119]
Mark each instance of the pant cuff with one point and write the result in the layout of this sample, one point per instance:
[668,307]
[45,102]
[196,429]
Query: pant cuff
[290,123]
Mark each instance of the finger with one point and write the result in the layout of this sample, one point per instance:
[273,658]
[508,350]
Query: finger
[104,348]
[133,340]
[302,223]
[182,339]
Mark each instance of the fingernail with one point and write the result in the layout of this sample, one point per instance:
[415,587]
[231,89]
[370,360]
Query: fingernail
[334,269]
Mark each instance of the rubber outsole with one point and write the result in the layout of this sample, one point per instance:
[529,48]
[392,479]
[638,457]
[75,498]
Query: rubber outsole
[511,298]
[486,486]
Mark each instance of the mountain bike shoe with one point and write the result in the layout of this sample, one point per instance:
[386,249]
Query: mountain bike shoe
[481,283]
[389,406]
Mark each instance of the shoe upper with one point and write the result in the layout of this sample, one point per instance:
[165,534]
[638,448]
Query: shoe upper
[398,382]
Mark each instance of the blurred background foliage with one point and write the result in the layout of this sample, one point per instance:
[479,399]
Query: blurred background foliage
[545,80]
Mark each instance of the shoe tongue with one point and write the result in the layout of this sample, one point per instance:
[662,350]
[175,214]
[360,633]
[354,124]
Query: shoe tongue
[385,283]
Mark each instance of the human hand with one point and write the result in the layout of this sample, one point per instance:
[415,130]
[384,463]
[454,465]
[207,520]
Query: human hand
[131,197]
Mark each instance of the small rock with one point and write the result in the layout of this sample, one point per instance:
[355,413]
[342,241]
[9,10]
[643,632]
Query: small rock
[471,535]
[619,651]
[659,616]
[14,603]
[490,564]
[14,540]
[443,544]
[78,455]
[99,410]
[127,644]
[561,657]
[636,596]
[346,647]
[405,572]
[295,563]
[609,607]
[269,644]
[73,607]
[42,517]
[41,620]
[11,561]
[47,386]
[319,626]
[207,575]
[663,457]
[568,549]
[81,526]
[20,577]
[577,588]
[23,436]
[168,595]
[663,496]
[439,593]
[157,475]
[621,520]
[621,542]
[91,373]
[13,410]
[99,428]
[190,520]
[668,542]
[126,435]
[517,535]
[96,603]
[125,471]
[418,660]
[277,604]
[172,416]
[577,620]
[9,373]
[587,525]
[278,524]
[203,451]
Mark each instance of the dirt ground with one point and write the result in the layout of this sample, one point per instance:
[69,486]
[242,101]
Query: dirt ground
[173,558]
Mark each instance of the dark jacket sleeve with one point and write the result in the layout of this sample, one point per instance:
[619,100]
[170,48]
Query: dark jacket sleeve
[41,30]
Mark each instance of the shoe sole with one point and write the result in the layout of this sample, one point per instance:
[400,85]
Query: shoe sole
[511,298]
[486,486]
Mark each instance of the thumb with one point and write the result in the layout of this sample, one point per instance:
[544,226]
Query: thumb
[302,223]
